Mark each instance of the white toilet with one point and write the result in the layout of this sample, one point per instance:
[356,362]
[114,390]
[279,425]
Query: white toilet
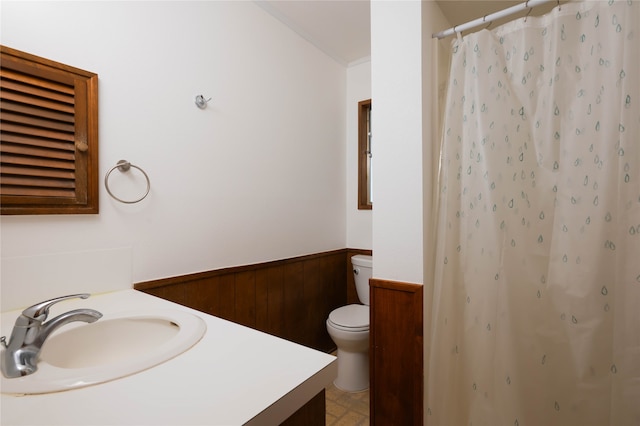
[348,326]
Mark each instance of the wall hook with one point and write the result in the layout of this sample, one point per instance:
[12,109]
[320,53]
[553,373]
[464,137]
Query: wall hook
[201,102]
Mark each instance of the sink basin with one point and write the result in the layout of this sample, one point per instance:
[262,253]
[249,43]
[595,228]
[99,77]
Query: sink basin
[118,345]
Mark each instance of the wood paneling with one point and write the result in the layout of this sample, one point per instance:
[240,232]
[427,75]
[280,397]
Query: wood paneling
[289,298]
[293,299]
[245,298]
[396,348]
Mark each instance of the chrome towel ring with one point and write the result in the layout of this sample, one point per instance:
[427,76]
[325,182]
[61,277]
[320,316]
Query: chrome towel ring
[124,166]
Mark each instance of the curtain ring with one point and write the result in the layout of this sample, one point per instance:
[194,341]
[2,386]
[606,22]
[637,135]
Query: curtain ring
[528,12]
[124,166]
[484,19]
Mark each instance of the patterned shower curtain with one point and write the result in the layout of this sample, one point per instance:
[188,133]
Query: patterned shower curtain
[536,305]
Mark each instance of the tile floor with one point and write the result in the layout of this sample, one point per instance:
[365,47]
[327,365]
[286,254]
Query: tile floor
[345,408]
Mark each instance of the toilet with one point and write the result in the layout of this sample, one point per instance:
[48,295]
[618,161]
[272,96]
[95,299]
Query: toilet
[348,326]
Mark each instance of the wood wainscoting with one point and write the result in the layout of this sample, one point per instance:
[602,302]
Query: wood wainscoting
[289,298]
[396,353]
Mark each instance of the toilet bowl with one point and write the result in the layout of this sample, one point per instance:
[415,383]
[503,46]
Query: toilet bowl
[348,326]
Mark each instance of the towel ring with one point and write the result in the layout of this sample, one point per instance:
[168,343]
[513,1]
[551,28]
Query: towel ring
[124,166]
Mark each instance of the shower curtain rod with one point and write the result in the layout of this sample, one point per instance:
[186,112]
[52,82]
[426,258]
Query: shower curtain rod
[487,19]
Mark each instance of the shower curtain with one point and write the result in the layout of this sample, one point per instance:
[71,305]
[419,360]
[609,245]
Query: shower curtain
[536,303]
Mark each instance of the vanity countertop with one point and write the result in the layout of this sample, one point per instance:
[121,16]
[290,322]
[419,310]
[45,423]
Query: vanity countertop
[234,376]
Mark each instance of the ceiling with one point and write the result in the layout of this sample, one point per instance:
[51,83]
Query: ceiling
[340,28]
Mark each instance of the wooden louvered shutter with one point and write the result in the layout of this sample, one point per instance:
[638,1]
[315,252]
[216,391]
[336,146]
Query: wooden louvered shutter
[48,136]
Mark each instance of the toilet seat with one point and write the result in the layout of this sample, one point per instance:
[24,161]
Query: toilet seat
[350,318]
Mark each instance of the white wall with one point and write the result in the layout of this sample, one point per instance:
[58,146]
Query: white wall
[397,90]
[405,89]
[259,175]
[358,221]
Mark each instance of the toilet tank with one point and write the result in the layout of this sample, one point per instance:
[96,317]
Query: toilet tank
[362,267]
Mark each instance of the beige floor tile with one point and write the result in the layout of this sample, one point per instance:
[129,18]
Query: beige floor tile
[330,420]
[352,419]
[335,409]
[360,408]
[346,408]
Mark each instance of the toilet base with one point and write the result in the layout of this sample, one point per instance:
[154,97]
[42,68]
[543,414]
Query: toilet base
[353,371]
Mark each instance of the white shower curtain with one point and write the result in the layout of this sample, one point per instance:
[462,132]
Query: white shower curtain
[536,303]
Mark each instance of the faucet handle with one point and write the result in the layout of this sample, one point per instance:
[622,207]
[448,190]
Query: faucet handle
[40,311]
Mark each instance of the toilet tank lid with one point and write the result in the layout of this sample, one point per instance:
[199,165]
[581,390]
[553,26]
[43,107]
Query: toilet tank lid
[362,260]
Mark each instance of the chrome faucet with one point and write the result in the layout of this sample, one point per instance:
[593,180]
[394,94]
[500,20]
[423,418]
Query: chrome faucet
[20,355]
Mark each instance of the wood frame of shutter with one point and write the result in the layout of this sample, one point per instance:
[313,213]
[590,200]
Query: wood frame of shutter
[48,136]
[363,155]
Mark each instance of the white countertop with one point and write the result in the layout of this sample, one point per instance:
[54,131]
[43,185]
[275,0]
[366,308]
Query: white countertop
[234,376]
